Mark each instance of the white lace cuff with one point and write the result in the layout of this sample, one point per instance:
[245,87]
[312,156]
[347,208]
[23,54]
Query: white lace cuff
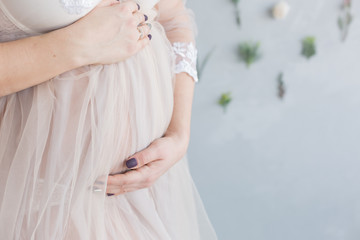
[78,6]
[185,58]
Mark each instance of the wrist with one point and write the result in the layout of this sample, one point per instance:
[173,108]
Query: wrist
[181,138]
[62,45]
[182,134]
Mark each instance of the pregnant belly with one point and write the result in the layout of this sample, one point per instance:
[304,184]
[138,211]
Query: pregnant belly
[60,136]
[122,106]
[83,124]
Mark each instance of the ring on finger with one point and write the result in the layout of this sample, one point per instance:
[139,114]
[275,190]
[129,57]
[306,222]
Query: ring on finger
[141,33]
[143,24]
[149,25]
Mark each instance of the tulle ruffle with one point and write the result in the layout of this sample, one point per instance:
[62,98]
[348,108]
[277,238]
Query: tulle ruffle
[59,140]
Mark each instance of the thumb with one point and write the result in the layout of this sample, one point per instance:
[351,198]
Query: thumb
[143,157]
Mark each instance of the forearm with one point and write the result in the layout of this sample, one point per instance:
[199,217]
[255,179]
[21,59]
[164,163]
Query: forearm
[30,61]
[180,28]
[183,98]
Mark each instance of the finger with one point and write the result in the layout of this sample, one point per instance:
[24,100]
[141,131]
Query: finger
[138,182]
[141,177]
[151,153]
[128,178]
[128,188]
[144,29]
[122,191]
[140,17]
[115,190]
[130,6]
[141,43]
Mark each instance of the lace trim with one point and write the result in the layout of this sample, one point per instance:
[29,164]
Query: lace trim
[77,6]
[185,58]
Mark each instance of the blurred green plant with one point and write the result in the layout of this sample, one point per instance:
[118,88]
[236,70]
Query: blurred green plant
[308,47]
[280,86]
[249,52]
[224,100]
[237,11]
[200,66]
[345,19]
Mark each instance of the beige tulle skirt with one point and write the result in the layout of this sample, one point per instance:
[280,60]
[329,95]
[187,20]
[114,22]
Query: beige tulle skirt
[59,138]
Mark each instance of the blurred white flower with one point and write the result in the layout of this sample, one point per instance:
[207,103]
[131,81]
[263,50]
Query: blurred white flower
[281,10]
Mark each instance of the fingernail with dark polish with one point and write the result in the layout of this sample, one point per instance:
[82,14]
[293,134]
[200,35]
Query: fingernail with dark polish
[131,163]
[146,17]
[110,194]
[138,6]
[149,36]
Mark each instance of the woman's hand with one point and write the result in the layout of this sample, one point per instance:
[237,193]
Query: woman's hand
[149,164]
[109,33]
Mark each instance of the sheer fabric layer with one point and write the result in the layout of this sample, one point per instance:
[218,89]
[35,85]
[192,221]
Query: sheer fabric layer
[59,140]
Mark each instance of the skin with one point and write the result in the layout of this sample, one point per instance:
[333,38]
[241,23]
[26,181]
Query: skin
[91,40]
[42,57]
[165,152]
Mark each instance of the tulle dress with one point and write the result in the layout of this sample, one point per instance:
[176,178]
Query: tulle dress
[60,138]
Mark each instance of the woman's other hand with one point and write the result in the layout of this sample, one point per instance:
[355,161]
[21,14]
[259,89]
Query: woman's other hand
[109,33]
[149,164]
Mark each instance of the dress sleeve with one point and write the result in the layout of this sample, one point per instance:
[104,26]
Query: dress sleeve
[181,30]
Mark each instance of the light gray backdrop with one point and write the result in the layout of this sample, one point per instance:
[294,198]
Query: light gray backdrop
[271,169]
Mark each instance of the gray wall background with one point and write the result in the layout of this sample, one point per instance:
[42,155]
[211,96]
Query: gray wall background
[271,169]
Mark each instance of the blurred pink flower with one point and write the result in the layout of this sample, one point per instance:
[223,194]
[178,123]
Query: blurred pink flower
[347,3]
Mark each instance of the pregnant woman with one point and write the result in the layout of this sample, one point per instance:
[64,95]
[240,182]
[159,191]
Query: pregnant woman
[95,103]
